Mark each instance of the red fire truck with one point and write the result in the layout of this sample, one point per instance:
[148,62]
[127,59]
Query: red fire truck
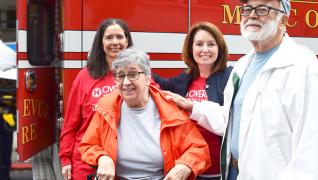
[54,37]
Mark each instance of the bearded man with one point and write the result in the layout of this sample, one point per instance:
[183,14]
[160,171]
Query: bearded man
[270,102]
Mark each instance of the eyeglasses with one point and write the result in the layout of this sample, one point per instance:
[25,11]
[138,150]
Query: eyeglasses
[261,10]
[132,76]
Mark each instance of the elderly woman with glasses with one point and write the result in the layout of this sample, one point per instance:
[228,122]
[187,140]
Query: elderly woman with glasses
[137,134]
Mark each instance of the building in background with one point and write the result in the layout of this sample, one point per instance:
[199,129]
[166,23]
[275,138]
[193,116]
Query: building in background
[8,20]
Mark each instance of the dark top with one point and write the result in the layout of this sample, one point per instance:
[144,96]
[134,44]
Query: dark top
[214,87]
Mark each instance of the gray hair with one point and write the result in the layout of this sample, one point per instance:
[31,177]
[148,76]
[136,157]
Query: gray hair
[132,56]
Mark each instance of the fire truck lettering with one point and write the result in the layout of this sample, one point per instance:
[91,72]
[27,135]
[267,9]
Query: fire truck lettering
[289,23]
[26,107]
[314,14]
[73,26]
[28,133]
[227,13]
[32,107]
[42,109]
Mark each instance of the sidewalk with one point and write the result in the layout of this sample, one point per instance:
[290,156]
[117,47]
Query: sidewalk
[21,175]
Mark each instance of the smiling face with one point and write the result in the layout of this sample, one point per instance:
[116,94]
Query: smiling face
[259,28]
[205,49]
[114,41]
[134,92]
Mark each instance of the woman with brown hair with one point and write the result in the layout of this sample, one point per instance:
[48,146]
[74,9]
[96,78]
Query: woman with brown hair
[205,53]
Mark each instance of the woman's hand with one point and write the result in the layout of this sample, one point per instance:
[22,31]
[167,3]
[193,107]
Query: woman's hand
[184,103]
[66,172]
[106,168]
[179,172]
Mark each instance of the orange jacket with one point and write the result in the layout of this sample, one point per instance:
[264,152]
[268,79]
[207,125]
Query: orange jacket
[180,140]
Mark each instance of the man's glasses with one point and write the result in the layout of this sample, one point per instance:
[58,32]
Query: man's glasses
[261,10]
[132,76]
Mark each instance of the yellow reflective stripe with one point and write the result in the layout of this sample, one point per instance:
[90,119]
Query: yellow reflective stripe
[8,117]
[7,97]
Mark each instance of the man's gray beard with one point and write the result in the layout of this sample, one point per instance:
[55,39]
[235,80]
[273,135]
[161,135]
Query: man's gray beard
[267,30]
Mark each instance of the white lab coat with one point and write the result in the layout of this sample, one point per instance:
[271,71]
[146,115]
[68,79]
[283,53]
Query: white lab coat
[278,137]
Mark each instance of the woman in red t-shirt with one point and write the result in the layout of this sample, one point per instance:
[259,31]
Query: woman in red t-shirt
[90,84]
[205,53]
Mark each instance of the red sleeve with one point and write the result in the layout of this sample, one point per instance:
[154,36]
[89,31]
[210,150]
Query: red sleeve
[72,121]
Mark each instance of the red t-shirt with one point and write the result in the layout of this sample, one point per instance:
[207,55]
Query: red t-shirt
[196,92]
[84,93]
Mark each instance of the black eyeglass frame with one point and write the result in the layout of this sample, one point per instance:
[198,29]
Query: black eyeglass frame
[256,12]
[121,79]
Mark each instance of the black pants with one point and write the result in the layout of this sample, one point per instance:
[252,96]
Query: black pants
[6,140]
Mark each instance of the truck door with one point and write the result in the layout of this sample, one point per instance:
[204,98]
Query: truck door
[36,87]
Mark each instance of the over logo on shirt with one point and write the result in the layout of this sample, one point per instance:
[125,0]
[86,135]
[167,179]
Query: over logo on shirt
[196,95]
[98,92]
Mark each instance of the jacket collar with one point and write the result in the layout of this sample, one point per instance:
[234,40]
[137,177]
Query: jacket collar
[280,58]
[170,114]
